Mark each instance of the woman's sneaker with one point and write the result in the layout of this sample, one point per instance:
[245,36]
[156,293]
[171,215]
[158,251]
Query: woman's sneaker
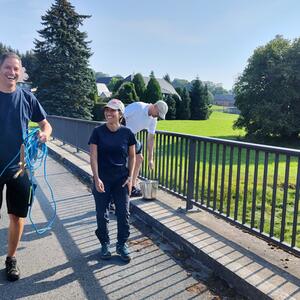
[135,192]
[11,268]
[105,253]
[123,251]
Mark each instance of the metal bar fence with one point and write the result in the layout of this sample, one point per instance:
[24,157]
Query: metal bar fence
[254,186]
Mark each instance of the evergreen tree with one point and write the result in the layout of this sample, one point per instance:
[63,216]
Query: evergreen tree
[171,101]
[29,61]
[152,74]
[167,78]
[200,107]
[4,49]
[153,91]
[116,84]
[112,83]
[183,111]
[139,85]
[127,93]
[65,83]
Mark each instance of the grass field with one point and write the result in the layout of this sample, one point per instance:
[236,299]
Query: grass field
[219,125]
[224,194]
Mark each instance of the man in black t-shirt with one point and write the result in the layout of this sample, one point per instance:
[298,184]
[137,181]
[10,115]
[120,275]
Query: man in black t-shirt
[17,108]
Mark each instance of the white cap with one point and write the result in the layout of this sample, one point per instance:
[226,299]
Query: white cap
[116,104]
[162,107]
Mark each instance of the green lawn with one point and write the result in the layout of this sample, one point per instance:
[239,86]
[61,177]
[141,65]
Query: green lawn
[219,125]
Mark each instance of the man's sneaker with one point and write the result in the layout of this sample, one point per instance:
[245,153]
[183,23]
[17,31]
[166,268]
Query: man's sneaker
[105,253]
[12,271]
[123,251]
[135,192]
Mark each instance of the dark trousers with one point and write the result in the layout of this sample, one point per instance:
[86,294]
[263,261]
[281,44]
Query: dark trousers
[113,189]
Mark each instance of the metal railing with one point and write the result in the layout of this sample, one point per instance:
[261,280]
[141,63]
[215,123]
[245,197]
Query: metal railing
[254,186]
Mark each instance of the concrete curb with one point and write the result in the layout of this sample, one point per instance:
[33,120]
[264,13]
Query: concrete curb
[243,287]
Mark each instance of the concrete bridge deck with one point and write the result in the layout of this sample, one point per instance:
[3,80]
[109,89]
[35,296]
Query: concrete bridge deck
[64,263]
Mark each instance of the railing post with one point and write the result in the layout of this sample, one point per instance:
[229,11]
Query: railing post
[191,174]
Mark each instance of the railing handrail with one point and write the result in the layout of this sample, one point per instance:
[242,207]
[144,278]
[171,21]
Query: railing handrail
[247,145]
[74,119]
[249,184]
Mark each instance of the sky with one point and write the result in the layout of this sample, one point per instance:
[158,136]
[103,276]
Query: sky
[211,39]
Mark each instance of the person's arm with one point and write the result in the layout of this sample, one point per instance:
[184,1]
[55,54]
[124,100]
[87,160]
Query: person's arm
[45,131]
[150,145]
[131,163]
[94,166]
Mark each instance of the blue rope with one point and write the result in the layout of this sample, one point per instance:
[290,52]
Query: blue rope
[36,154]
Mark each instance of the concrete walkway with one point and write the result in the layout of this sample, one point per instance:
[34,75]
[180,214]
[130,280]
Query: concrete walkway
[64,262]
[257,269]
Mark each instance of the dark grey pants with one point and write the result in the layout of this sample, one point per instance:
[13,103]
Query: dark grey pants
[113,189]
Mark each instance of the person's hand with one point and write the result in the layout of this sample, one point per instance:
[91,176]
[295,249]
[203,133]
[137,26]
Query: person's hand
[99,186]
[151,164]
[43,138]
[129,184]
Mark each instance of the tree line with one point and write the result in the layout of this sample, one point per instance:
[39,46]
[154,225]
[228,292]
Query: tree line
[268,91]
[192,104]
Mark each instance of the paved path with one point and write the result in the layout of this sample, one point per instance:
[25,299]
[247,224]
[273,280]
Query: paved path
[64,262]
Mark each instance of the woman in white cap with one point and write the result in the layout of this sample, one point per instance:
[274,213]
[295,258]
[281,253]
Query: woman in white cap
[112,153]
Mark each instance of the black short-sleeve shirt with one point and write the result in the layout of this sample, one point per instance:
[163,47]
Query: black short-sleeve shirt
[16,110]
[112,150]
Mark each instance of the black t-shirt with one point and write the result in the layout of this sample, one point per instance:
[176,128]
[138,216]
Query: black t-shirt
[16,110]
[113,150]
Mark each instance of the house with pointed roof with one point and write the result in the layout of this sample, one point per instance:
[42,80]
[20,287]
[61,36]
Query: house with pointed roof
[166,87]
[103,91]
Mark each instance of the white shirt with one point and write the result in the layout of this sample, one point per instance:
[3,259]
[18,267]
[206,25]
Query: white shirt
[137,118]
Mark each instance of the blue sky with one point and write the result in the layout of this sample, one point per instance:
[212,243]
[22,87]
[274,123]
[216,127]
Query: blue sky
[211,39]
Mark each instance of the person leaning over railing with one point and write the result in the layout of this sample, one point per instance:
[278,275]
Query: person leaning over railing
[112,154]
[17,107]
[139,116]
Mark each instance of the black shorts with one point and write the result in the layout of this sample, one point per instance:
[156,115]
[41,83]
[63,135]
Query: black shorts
[138,147]
[18,194]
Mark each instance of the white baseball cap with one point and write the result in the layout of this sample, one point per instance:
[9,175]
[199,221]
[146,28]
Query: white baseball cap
[116,104]
[162,107]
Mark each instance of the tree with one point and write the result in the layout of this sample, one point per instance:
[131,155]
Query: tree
[4,49]
[114,84]
[29,61]
[139,85]
[117,85]
[64,82]
[216,88]
[181,83]
[200,107]
[153,91]
[100,75]
[127,93]
[171,101]
[268,91]
[152,74]
[167,78]
[183,111]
